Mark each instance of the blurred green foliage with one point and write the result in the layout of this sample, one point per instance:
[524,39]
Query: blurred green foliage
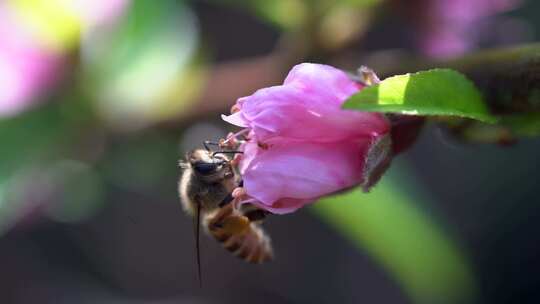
[27,137]
[391,223]
[291,14]
[130,69]
[98,129]
[524,125]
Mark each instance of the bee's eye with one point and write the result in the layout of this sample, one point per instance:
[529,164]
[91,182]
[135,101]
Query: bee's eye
[204,168]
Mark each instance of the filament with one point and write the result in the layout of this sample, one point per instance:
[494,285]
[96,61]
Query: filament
[235,135]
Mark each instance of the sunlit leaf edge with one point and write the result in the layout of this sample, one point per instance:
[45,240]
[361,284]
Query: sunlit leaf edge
[441,83]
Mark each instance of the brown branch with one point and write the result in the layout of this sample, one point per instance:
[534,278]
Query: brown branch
[508,77]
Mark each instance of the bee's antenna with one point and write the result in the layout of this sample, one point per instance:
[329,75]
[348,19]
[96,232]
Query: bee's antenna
[208,143]
[227,152]
[197,243]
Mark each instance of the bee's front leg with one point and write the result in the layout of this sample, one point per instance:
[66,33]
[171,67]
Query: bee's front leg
[227,200]
[252,212]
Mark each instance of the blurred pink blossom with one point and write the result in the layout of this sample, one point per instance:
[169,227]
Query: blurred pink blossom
[27,65]
[451,27]
[470,10]
[96,13]
[25,68]
[301,144]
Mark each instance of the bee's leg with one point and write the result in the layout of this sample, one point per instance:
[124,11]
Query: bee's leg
[227,200]
[228,221]
[230,197]
[215,221]
[251,211]
[239,192]
[229,142]
[230,218]
[236,224]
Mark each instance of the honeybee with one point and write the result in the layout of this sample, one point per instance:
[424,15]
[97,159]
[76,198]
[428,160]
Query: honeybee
[206,188]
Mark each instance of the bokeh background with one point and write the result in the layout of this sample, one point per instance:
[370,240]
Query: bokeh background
[99,100]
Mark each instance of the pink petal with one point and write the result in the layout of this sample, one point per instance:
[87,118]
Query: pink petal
[307,114]
[303,171]
[284,205]
[26,68]
[236,119]
[331,84]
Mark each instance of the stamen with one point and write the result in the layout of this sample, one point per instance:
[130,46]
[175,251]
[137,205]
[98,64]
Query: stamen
[235,109]
[235,135]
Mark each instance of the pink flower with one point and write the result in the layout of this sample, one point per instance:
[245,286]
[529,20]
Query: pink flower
[25,68]
[101,12]
[29,67]
[455,26]
[302,145]
[447,28]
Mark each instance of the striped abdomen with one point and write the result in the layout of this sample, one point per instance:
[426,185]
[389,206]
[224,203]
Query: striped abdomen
[239,234]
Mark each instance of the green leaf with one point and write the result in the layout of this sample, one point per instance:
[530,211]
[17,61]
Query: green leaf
[441,92]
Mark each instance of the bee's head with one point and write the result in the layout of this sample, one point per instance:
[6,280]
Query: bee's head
[206,164]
